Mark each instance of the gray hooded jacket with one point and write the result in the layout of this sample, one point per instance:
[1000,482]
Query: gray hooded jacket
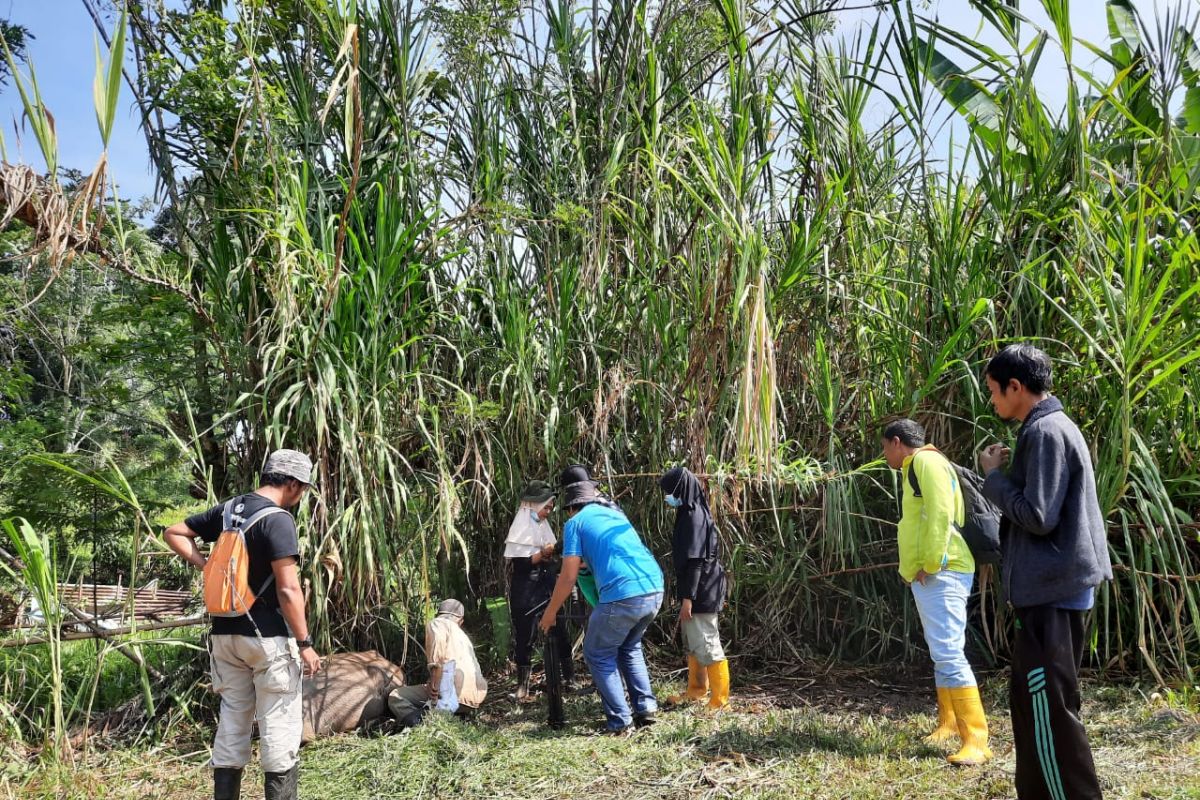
[1052,534]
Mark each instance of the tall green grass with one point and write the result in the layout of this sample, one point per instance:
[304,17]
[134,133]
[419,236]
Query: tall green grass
[36,568]
[448,249]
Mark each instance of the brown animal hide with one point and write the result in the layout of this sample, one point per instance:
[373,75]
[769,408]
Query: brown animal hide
[350,689]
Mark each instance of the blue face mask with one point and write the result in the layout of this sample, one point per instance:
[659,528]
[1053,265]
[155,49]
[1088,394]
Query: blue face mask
[534,516]
[673,501]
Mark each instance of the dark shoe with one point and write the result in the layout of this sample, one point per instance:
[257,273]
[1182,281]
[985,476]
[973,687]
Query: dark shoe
[522,684]
[644,720]
[385,726]
[281,785]
[619,733]
[412,719]
[227,783]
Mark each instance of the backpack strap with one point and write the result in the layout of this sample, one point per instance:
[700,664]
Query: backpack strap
[265,512]
[227,515]
[255,517]
[912,472]
[912,478]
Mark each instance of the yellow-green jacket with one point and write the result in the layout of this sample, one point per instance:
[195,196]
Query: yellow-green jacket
[927,535]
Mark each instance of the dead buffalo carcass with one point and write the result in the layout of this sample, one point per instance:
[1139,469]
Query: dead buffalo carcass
[351,689]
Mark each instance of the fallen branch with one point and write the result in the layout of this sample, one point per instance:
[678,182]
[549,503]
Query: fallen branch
[131,654]
[88,621]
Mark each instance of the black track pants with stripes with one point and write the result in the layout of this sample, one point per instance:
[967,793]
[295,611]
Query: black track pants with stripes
[1054,759]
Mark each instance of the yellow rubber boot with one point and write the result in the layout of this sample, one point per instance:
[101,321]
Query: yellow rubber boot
[697,688]
[947,727]
[718,684]
[972,727]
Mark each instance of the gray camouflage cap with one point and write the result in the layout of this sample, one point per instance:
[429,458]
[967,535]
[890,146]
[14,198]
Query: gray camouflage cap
[451,608]
[291,463]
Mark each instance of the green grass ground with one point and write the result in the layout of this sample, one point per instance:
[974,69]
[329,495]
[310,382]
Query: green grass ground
[847,735]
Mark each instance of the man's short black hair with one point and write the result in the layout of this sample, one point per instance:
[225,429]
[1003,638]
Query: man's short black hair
[910,432]
[276,479]
[1026,364]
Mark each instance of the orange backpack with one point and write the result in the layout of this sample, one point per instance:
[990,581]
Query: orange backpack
[227,571]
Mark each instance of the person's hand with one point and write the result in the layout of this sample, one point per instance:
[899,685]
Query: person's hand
[547,621]
[994,456]
[685,611]
[548,552]
[310,662]
[921,576]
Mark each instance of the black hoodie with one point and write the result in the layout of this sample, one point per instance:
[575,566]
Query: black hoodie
[699,576]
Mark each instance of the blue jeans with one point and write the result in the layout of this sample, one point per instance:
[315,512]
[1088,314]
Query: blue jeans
[942,605]
[613,651]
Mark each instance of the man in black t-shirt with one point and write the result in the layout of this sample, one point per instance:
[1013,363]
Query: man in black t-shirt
[256,665]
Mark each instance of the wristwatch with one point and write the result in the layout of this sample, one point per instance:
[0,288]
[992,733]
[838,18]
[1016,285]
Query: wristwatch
[303,644]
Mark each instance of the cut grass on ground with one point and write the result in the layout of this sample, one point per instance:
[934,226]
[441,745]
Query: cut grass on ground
[844,736]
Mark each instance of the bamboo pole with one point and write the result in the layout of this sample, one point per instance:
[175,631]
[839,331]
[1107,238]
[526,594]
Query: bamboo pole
[103,633]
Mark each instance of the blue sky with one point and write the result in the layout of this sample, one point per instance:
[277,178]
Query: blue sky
[63,55]
[1089,22]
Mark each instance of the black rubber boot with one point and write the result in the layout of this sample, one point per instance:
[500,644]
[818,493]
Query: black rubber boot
[644,720]
[227,783]
[281,785]
[523,684]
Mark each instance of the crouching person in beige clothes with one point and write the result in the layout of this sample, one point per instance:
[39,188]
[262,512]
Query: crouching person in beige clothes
[256,663]
[446,643]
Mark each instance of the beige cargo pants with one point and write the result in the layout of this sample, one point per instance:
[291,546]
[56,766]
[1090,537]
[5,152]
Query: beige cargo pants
[257,678]
[703,639]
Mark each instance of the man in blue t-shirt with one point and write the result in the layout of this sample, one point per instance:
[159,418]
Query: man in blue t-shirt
[630,585]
